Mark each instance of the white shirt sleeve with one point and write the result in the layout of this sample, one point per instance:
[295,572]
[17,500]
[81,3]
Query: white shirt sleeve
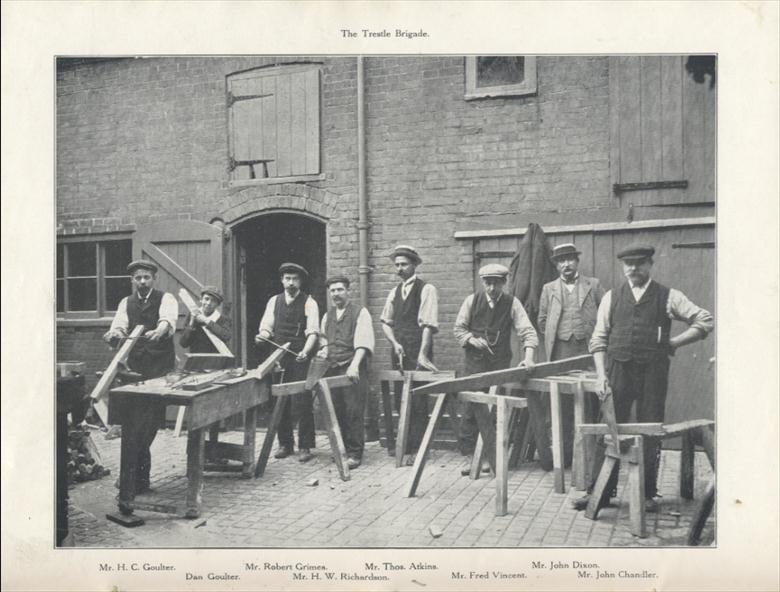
[389,310]
[120,322]
[428,315]
[267,322]
[169,311]
[463,320]
[312,312]
[364,332]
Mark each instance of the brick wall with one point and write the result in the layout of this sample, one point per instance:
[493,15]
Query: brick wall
[141,140]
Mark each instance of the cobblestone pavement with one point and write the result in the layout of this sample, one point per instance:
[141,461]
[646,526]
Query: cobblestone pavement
[282,509]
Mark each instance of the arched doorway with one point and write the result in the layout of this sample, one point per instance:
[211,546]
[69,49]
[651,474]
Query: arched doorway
[263,243]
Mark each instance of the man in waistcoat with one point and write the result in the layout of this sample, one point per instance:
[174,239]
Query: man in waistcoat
[151,357]
[210,317]
[631,345]
[567,316]
[483,328]
[347,343]
[409,321]
[293,316]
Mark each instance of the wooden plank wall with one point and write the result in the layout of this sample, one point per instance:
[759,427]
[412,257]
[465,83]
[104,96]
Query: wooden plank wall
[691,270]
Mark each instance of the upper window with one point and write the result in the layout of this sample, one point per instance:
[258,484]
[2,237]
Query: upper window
[274,123]
[500,76]
[92,275]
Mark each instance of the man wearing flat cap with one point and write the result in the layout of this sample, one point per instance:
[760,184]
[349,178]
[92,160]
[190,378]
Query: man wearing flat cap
[409,321]
[151,357]
[631,345]
[483,328]
[567,316]
[210,317]
[347,344]
[293,316]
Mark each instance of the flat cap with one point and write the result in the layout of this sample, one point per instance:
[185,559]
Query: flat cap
[141,264]
[406,251]
[293,268]
[213,291]
[493,270]
[564,250]
[636,251]
[335,279]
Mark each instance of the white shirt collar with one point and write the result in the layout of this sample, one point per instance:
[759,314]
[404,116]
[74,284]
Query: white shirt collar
[288,298]
[214,316]
[638,291]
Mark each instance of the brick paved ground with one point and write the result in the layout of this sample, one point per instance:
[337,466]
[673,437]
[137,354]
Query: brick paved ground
[282,510]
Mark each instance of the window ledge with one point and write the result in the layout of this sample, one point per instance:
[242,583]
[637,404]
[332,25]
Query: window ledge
[86,322]
[277,180]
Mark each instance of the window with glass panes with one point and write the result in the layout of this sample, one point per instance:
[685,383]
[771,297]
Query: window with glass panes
[92,275]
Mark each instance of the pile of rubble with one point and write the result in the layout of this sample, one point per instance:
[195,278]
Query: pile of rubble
[84,462]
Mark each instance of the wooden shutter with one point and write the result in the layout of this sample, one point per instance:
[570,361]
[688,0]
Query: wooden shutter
[663,129]
[275,116]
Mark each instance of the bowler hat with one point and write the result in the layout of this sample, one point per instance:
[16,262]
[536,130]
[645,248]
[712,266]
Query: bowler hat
[636,251]
[141,264]
[293,268]
[564,250]
[335,279]
[212,291]
[406,251]
[493,270]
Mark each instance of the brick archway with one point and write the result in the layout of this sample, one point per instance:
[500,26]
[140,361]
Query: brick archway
[251,201]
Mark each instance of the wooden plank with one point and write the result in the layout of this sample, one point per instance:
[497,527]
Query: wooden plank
[179,421]
[404,417]
[417,375]
[510,375]
[269,124]
[195,458]
[686,466]
[614,122]
[387,414]
[250,435]
[502,455]
[477,458]
[600,496]
[268,442]
[636,490]
[229,400]
[98,394]
[694,138]
[650,123]
[313,121]
[674,429]
[267,366]
[559,482]
[629,112]
[195,362]
[425,443]
[579,460]
[166,263]
[671,126]
[193,307]
[328,413]
[293,388]
[283,126]
[488,432]
[629,429]
[298,123]
[702,513]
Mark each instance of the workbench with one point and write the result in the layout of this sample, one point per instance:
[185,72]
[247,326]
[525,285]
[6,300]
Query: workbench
[215,402]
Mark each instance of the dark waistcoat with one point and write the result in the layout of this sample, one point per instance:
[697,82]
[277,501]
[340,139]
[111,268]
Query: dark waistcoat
[405,312]
[570,322]
[340,333]
[639,330]
[494,324]
[290,321]
[149,357]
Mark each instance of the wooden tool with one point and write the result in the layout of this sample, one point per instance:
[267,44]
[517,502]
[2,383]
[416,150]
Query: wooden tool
[98,394]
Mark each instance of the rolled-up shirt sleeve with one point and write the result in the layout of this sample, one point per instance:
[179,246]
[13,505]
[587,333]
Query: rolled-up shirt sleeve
[600,337]
[389,310]
[267,322]
[680,308]
[364,332]
[120,322]
[463,321]
[428,315]
[169,311]
[522,324]
[312,312]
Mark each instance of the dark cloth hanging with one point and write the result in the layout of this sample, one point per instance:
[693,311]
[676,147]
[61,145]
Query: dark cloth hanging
[531,269]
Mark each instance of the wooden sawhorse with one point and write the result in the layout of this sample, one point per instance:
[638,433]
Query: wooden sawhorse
[327,415]
[407,377]
[631,450]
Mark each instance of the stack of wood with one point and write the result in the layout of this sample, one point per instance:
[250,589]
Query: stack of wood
[84,462]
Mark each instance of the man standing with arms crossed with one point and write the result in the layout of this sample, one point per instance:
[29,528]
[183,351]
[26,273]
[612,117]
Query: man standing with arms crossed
[347,342]
[152,356]
[631,345]
[409,321]
[483,328]
[293,316]
[567,316]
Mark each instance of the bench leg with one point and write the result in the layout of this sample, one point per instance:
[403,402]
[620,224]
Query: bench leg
[579,460]
[686,465]
[636,488]
[503,414]
[422,452]
[477,459]
[557,438]
[600,495]
[250,435]
[387,412]
[487,430]
[328,414]
[404,417]
[703,511]
[195,457]
[268,442]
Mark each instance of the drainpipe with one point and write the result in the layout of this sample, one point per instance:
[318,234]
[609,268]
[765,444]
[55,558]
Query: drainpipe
[363,224]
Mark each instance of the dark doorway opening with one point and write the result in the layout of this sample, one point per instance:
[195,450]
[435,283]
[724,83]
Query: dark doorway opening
[265,242]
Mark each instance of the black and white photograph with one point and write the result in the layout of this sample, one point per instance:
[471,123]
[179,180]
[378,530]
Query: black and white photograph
[381,319]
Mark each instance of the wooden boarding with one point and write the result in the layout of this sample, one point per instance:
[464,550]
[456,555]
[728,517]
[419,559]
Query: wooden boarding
[206,407]
[479,457]
[98,394]
[396,447]
[500,377]
[327,413]
[195,362]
